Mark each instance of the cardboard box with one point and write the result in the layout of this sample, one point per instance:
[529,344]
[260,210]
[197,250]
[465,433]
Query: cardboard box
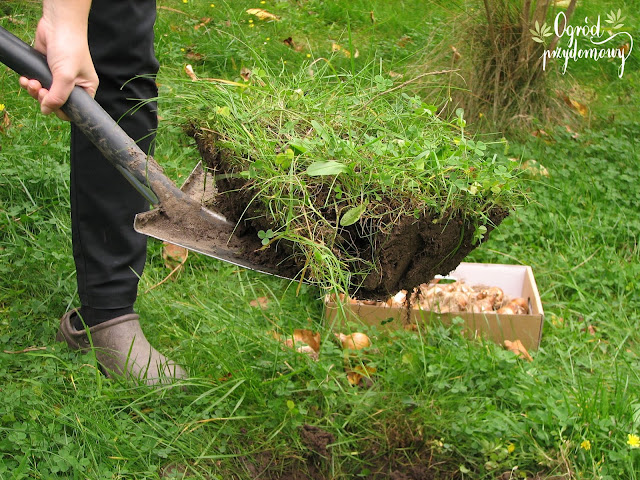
[514,280]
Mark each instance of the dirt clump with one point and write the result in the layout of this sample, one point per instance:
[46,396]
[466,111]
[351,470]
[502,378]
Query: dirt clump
[411,253]
[316,440]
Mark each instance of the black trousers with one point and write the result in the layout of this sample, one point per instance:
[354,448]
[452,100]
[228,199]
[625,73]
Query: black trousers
[109,255]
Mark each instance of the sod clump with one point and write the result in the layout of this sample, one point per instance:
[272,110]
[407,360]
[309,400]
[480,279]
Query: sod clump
[349,180]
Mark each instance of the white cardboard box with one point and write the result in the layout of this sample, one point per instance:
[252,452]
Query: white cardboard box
[514,280]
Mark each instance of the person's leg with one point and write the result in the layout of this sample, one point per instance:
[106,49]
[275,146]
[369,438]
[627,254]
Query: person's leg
[108,253]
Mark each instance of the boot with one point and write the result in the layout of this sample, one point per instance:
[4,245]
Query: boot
[121,349]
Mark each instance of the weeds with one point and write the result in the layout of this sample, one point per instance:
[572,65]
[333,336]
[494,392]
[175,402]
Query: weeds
[439,405]
[323,151]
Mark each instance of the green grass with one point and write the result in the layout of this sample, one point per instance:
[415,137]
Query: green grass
[472,408]
[324,151]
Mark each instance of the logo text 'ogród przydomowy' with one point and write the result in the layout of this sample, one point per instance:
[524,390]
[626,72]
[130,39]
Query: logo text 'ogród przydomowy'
[589,41]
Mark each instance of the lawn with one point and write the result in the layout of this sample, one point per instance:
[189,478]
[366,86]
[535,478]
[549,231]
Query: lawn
[438,406]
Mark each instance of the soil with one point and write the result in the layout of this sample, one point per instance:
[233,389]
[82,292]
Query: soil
[387,461]
[412,253]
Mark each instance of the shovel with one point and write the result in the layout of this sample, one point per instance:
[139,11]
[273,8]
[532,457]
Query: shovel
[178,216]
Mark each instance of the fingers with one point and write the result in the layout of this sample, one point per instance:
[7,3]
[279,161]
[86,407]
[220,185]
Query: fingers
[35,90]
[32,87]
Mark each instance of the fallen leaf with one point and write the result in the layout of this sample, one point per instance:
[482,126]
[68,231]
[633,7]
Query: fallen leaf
[540,133]
[592,330]
[372,17]
[339,48]
[557,321]
[456,54]
[174,255]
[574,135]
[245,73]
[303,340]
[262,14]
[262,302]
[581,108]
[194,56]
[518,348]
[189,71]
[393,74]
[535,168]
[5,123]
[203,22]
[624,49]
[403,41]
[360,372]
[291,44]
[354,378]
[307,336]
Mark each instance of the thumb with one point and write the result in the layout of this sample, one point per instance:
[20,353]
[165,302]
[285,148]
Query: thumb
[58,94]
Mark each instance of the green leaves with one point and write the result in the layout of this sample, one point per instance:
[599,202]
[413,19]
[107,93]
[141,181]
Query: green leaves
[285,158]
[266,236]
[352,215]
[330,167]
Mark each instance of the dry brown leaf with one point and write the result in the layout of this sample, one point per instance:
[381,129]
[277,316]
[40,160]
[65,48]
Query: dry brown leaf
[188,69]
[194,56]
[203,22]
[574,135]
[592,330]
[355,376]
[262,14]
[291,44]
[262,302]
[339,48]
[518,348]
[372,17]
[404,40]
[245,73]
[5,123]
[624,49]
[581,108]
[303,340]
[540,133]
[535,168]
[174,255]
[456,54]
[307,336]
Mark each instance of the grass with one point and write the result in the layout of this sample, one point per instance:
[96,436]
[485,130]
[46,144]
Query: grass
[471,409]
[323,151]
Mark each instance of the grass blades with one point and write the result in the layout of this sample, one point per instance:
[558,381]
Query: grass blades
[438,405]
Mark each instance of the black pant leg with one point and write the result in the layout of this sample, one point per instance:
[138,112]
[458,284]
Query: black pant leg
[108,253]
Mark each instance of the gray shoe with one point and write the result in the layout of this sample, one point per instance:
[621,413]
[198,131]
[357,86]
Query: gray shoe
[121,349]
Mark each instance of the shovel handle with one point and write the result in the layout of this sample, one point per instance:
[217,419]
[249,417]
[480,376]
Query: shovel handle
[96,124]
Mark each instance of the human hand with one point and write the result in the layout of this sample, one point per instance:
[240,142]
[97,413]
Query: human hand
[63,39]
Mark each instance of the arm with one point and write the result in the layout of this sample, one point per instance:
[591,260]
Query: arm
[62,36]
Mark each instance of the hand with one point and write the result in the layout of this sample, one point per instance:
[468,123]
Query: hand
[63,39]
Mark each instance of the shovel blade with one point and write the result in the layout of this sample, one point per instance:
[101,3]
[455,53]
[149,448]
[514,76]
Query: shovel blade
[219,243]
